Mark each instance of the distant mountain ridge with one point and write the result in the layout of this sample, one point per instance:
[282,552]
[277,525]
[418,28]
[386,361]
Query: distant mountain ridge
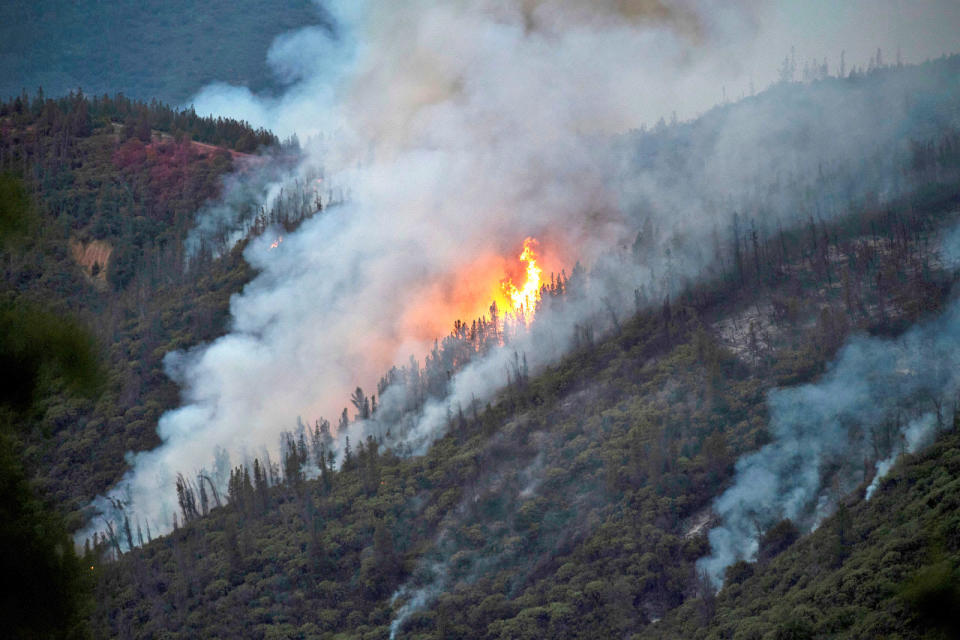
[158,49]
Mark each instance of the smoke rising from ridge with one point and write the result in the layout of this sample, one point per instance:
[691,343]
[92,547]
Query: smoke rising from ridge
[724,49]
[879,398]
[460,129]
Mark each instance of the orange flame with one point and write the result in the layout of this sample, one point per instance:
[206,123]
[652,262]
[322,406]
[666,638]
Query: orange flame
[276,243]
[467,294]
[524,299]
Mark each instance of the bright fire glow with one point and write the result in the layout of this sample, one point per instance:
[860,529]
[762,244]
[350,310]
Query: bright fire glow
[524,299]
[276,243]
[514,285]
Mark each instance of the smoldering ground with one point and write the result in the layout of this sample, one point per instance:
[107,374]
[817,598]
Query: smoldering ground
[879,398]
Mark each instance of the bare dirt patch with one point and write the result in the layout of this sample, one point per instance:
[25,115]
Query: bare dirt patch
[92,257]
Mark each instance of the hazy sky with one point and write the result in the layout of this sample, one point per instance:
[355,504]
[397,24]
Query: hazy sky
[134,61]
[822,28]
[735,45]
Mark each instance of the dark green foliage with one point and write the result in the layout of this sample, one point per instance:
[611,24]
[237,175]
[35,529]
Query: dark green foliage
[567,508]
[79,116]
[39,348]
[45,588]
[15,213]
[777,539]
[738,572]
[45,585]
[130,206]
[933,592]
[899,577]
[842,535]
[795,628]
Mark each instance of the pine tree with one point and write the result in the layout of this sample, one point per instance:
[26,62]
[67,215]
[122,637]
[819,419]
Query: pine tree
[347,455]
[186,499]
[127,531]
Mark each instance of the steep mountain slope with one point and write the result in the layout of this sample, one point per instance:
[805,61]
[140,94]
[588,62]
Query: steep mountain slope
[880,568]
[572,507]
[578,502]
[114,196]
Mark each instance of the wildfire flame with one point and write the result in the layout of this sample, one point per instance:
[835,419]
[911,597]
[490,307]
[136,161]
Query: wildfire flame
[513,285]
[524,299]
[276,243]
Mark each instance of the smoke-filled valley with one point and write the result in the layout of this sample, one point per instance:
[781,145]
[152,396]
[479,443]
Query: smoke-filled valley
[516,337]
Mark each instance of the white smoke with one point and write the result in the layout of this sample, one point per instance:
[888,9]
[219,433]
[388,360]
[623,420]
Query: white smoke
[415,599]
[878,399]
[916,434]
[460,128]
[726,48]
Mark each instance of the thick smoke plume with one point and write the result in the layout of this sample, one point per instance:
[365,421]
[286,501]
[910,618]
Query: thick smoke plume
[878,399]
[458,129]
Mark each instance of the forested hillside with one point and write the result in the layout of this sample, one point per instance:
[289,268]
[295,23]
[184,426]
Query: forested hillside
[885,568]
[114,186]
[579,500]
[574,507]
